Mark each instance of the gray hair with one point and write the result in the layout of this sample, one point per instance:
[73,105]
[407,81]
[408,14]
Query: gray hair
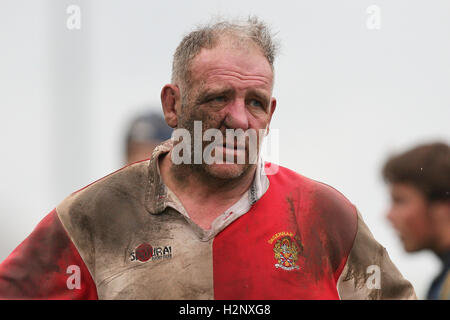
[208,37]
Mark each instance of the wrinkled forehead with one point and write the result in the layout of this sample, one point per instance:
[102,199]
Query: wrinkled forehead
[237,59]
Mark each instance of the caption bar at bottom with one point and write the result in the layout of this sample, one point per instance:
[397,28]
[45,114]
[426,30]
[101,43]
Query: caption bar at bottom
[226,309]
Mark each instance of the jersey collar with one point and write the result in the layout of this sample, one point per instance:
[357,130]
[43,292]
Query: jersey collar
[158,196]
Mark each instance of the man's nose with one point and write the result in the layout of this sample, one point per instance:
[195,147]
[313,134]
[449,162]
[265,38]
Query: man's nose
[236,117]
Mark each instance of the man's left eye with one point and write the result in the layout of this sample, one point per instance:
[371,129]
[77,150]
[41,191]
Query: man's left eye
[255,103]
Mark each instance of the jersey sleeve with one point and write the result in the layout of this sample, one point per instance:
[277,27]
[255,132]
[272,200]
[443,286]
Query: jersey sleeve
[369,273]
[46,265]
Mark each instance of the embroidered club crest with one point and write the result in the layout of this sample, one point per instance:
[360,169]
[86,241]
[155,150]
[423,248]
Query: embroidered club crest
[286,253]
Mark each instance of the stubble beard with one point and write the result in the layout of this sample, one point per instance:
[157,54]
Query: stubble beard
[219,172]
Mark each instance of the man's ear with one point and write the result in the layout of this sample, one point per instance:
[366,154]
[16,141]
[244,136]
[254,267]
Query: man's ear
[272,107]
[440,212]
[171,101]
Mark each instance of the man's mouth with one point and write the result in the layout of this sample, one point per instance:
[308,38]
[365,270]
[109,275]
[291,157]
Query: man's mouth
[233,146]
[233,150]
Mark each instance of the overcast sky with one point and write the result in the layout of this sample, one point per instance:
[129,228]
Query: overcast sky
[355,81]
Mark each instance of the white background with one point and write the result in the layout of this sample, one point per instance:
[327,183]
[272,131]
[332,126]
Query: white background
[348,96]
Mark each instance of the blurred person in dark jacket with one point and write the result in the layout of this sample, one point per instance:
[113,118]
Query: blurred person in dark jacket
[144,133]
[419,182]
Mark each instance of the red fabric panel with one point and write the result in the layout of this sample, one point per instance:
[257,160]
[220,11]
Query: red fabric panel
[38,267]
[312,216]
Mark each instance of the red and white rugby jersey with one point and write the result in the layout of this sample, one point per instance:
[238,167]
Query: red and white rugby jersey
[127,236]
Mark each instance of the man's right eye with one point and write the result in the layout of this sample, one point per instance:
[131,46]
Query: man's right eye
[218,99]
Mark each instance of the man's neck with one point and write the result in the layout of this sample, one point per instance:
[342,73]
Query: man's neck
[442,248]
[203,196]
[440,213]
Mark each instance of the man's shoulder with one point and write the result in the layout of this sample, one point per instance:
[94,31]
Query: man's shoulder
[315,190]
[317,202]
[125,187]
[130,175]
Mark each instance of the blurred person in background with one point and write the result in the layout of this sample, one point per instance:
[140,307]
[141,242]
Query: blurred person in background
[419,181]
[144,133]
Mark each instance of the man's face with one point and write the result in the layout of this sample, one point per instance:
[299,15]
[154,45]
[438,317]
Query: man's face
[231,88]
[409,215]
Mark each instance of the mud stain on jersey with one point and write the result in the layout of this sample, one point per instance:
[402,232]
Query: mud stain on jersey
[293,209]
